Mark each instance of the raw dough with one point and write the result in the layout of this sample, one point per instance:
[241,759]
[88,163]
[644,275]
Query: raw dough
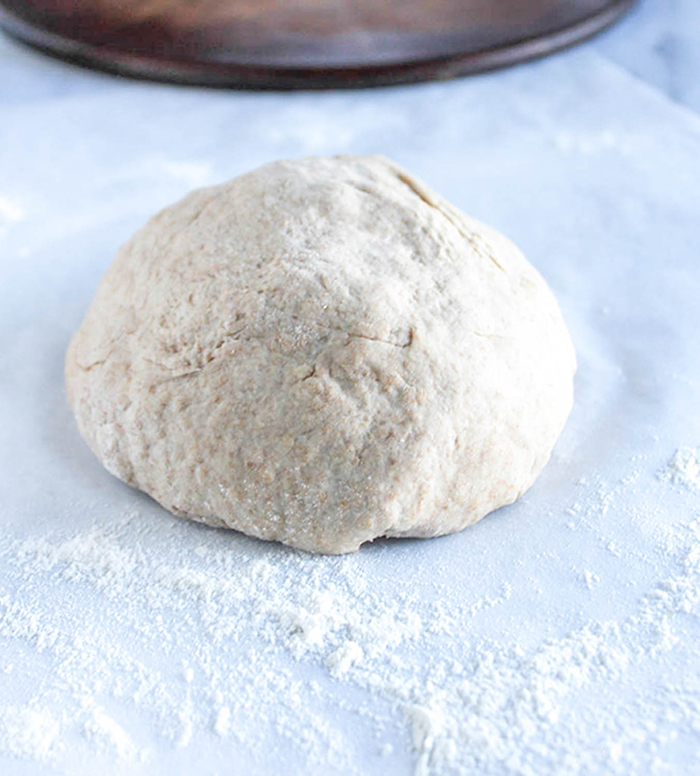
[322,352]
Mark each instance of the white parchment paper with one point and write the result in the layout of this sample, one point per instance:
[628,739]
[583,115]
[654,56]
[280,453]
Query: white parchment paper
[131,642]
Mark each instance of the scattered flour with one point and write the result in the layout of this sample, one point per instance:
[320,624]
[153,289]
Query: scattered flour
[683,468]
[223,721]
[104,730]
[28,732]
[590,578]
[269,637]
[348,654]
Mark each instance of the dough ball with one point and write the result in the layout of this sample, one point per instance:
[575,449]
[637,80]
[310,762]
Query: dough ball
[322,352]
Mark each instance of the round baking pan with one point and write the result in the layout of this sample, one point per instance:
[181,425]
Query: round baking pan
[303,44]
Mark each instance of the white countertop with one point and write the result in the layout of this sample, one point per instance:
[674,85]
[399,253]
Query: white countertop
[557,636]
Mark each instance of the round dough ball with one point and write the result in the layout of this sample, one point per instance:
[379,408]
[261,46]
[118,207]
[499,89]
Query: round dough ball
[322,352]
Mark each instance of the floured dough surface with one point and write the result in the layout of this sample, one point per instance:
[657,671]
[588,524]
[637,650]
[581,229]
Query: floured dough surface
[322,352]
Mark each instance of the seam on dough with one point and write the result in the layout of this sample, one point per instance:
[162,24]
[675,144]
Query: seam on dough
[489,336]
[363,189]
[99,362]
[178,377]
[475,240]
[418,191]
[393,344]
